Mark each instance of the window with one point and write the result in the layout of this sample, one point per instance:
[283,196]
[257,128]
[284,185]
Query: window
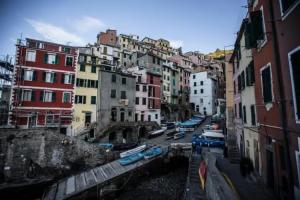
[139,79]
[30,56]
[113,78]
[294,63]
[49,77]
[153,60]
[66,97]
[67,49]
[82,68]
[113,93]
[194,76]
[253,120]
[124,81]
[149,118]
[28,75]
[286,5]
[156,116]
[67,78]
[266,83]
[93,69]
[250,79]
[81,59]
[137,87]
[201,82]
[144,88]
[235,110]
[144,101]
[129,113]
[79,99]
[93,99]
[123,94]
[69,61]
[244,114]
[137,100]
[240,110]
[195,84]
[201,91]
[243,80]
[257,25]
[48,96]
[195,91]
[28,95]
[239,83]
[51,58]
[201,100]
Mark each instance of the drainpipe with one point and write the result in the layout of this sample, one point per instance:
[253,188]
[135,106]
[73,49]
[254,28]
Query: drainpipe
[282,101]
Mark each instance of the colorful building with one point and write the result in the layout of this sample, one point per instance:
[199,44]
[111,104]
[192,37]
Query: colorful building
[43,85]
[86,91]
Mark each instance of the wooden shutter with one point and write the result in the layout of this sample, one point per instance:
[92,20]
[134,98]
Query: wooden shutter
[73,79]
[44,76]
[22,74]
[34,76]
[32,95]
[42,96]
[46,58]
[57,59]
[53,96]
[267,87]
[257,25]
[62,78]
[253,120]
[54,77]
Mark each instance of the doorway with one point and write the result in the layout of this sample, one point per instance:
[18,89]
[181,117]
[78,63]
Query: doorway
[32,121]
[87,119]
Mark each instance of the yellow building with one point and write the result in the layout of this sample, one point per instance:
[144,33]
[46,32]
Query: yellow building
[85,107]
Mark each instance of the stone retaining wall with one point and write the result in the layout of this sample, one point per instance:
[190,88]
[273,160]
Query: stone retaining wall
[30,153]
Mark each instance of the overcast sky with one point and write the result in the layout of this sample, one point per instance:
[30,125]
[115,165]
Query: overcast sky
[201,25]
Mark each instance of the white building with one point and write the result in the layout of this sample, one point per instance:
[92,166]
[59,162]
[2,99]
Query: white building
[203,92]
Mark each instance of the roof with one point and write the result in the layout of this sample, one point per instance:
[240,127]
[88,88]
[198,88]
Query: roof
[43,41]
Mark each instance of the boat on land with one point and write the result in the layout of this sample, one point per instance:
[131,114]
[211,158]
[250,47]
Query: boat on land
[133,151]
[179,135]
[157,132]
[131,159]
[152,152]
[106,145]
[124,146]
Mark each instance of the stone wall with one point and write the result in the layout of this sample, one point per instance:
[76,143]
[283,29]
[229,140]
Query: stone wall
[32,153]
[216,187]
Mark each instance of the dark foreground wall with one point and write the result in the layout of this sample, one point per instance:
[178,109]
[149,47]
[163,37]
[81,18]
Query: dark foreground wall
[216,187]
[39,152]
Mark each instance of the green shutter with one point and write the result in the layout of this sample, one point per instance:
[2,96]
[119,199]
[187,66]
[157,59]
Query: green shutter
[257,25]
[44,76]
[54,77]
[73,79]
[53,96]
[32,95]
[249,39]
[46,58]
[57,59]
[22,74]
[41,96]
[34,76]
[62,78]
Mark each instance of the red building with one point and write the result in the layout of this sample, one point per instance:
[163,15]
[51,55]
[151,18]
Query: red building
[43,85]
[275,38]
[108,38]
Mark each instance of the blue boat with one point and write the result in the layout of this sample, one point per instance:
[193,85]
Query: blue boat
[152,152]
[131,159]
[105,145]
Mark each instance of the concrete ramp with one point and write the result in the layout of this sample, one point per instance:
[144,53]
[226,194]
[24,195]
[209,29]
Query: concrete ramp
[96,177]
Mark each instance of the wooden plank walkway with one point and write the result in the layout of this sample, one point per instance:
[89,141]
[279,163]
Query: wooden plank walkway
[74,185]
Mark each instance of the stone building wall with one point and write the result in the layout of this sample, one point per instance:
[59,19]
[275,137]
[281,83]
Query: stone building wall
[38,152]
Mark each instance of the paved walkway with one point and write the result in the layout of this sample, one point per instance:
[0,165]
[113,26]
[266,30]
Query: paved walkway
[246,188]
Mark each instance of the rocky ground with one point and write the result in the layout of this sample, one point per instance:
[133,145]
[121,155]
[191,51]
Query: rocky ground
[167,186]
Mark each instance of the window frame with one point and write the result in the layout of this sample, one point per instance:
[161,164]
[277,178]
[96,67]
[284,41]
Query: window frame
[27,53]
[292,82]
[30,96]
[63,97]
[286,13]
[32,76]
[262,88]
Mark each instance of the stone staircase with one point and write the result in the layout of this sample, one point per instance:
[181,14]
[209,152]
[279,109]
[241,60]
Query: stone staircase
[195,190]
[233,150]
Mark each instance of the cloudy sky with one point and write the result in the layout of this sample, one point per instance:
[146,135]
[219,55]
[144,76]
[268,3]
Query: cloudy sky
[202,25]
